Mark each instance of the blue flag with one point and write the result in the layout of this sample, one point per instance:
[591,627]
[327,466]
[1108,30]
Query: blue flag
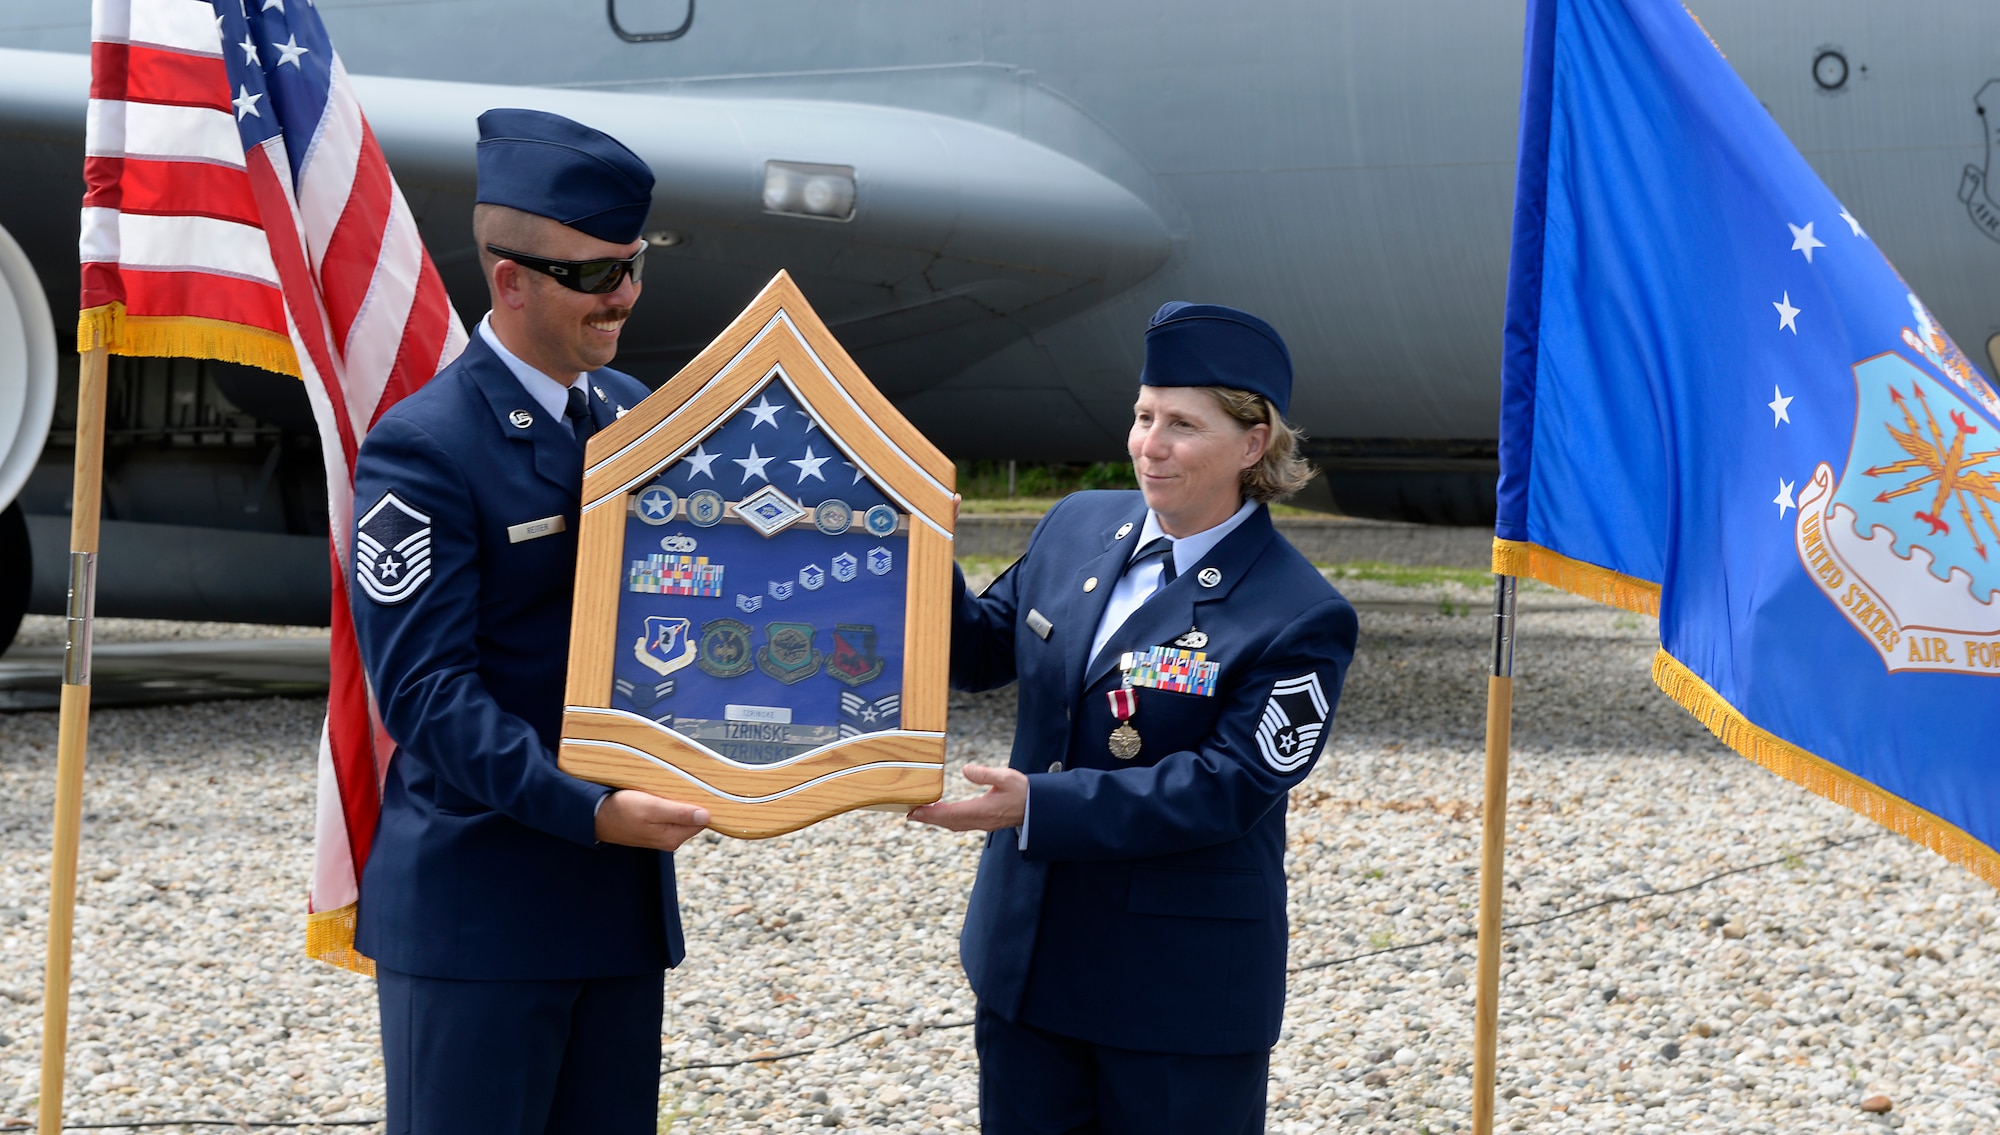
[1722,405]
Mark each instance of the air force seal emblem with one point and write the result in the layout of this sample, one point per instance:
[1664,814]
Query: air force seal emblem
[392,551]
[1902,541]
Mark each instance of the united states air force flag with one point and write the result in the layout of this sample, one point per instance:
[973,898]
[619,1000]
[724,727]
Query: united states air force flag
[1723,405]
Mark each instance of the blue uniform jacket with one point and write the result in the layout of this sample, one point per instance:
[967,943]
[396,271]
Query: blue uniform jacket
[486,865]
[1148,909]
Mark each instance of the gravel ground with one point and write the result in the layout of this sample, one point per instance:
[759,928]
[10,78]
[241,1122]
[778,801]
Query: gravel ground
[1775,999]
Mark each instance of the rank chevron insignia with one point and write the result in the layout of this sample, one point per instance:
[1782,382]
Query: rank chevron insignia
[1288,732]
[392,551]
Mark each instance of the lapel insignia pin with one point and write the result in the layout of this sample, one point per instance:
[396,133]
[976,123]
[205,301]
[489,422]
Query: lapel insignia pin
[1124,530]
[1210,577]
[1090,584]
[521,419]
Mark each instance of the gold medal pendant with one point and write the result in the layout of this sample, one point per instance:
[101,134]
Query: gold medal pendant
[1125,741]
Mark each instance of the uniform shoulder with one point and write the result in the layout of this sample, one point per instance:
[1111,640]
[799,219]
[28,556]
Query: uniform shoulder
[1297,575]
[445,399]
[1096,506]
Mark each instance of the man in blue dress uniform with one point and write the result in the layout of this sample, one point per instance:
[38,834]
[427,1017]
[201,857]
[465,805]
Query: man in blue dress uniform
[520,919]
[1179,663]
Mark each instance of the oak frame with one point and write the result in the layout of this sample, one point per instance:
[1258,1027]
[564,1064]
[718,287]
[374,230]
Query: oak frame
[777,334]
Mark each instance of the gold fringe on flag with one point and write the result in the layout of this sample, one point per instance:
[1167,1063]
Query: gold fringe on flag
[1818,775]
[330,939]
[1598,584]
[183,337]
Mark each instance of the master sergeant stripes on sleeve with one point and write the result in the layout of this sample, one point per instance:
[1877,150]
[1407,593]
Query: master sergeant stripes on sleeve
[392,551]
[1293,719]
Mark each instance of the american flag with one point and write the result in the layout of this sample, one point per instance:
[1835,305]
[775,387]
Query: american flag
[237,207]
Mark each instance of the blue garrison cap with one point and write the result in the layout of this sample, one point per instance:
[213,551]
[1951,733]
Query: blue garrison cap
[1205,344]
[548,165]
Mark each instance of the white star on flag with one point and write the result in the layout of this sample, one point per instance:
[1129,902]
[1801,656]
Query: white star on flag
[270,4]
[700,461]
[1803,239]
[1787,313]
[1778,405]
[1784,498]
[245,103]
[249,47]
[753,465]
[857,472]
[808,465]
[289,51]
[807,415]
[1851,222]
[765,413]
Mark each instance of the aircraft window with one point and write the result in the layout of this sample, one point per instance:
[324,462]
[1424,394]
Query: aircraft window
[805,189]
[650,14]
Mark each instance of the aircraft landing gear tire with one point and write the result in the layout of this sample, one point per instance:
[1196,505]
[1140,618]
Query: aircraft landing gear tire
[16,572]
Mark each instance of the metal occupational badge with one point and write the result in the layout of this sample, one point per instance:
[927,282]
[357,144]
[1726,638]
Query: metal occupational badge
[704,508]
[1193,640]
[854,659]
[392,551]
[788,653]
[725,648]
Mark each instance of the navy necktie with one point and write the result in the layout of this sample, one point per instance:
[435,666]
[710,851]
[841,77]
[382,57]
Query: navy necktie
[1162,547]
[578,414]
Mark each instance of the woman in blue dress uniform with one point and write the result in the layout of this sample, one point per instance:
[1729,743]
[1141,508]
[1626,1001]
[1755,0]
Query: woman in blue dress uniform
[1178,663]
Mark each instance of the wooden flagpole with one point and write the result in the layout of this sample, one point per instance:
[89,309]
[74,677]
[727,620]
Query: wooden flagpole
[1492,854]
[74,731]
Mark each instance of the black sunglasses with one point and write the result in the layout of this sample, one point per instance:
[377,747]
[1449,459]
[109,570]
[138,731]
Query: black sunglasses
[592,276]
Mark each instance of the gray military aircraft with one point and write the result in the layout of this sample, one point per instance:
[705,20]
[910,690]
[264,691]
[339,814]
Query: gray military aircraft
[986,201]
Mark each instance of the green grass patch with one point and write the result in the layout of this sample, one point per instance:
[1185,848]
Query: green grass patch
[1404,575]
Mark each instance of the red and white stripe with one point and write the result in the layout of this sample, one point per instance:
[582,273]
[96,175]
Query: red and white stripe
[179,220]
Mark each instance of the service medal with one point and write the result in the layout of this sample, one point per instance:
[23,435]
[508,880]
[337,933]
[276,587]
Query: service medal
[1124,740]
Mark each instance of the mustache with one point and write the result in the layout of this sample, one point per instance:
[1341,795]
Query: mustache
[608,313]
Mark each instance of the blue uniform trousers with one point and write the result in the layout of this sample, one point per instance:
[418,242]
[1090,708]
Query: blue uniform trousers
[1035,1082]
[521,1057]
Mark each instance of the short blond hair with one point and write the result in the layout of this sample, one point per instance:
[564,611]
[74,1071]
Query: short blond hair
[1283,471]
